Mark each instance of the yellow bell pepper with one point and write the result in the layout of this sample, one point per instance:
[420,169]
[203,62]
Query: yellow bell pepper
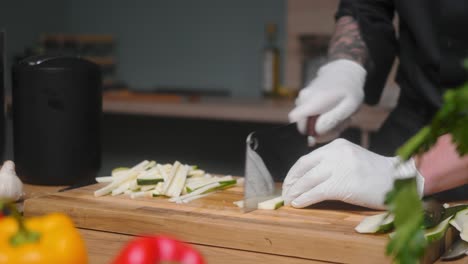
[50,239]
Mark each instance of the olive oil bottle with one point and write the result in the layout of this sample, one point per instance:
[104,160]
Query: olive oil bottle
[271,62]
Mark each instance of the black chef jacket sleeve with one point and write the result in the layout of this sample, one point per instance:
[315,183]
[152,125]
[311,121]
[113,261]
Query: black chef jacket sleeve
[375,19]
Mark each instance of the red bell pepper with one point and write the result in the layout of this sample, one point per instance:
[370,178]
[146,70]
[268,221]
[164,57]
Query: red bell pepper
[158,249]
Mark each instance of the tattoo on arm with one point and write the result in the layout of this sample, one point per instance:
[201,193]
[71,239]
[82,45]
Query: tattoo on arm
[347,43]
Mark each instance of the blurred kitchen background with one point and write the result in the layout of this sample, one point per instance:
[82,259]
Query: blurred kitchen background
[184,79]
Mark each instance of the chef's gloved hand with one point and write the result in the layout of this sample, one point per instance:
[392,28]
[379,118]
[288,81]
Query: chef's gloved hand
[347,172]
[334,95]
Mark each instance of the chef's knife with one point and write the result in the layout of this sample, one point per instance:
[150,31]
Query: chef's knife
[269,156]
[457,250]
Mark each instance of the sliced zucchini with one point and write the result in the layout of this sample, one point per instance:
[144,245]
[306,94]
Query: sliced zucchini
[460,222]
[457,221]
[121,189]
[123,177]
[378,223]
[119,169]
[198,179]
[464,233]
[150,165]
[193,185]
[221,186]
[134,185]
[152,181]
[196,173]
[271,204]
[171,176]
[158,190]
[104,179]
[437,232]
[162,172]
[148,187]
[178,182]
[201,190]
[167,168]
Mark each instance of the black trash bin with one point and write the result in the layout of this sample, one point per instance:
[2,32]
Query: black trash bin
[57,105]
[2,92]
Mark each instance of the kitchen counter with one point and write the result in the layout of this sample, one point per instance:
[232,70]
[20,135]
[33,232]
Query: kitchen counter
[220,230]
[252,110]
[367,119]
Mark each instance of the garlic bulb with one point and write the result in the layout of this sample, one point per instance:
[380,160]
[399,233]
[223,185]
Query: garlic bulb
[11,187]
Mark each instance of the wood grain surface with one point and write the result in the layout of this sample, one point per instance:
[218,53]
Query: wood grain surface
[103,247]
[322,233]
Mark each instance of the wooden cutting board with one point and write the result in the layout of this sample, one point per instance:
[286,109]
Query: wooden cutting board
[218,228]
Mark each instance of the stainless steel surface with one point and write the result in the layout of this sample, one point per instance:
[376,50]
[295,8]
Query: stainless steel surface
[258,184]
[269,156]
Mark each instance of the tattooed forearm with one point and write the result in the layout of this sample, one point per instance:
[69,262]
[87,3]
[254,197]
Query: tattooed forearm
[347,43]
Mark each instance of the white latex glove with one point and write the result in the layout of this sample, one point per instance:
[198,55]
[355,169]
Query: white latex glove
[347,172]
[334,95]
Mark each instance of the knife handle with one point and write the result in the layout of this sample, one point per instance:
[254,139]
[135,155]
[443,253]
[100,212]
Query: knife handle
[311,125]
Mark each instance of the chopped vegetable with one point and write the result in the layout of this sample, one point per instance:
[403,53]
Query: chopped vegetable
[206,188]
[437,232]
[379,223]
[149,181]
[104,179]
[460,222]
[50,238]
[180,182]
[196,173]
[453,210]
[158,249]
[200,182]
[271,204]
[170,176]
[118,170]
[122,178]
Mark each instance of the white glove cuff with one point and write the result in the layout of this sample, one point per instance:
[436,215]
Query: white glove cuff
[407,170]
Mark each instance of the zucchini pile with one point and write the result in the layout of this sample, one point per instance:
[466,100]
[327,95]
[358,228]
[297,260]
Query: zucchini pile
[182,183]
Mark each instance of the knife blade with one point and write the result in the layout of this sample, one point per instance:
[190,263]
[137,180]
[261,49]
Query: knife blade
[457,250]
[269,156]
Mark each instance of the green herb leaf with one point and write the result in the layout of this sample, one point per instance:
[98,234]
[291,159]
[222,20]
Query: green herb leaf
[408,244]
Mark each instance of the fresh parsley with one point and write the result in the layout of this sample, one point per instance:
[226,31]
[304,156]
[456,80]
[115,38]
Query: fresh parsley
[408,244]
